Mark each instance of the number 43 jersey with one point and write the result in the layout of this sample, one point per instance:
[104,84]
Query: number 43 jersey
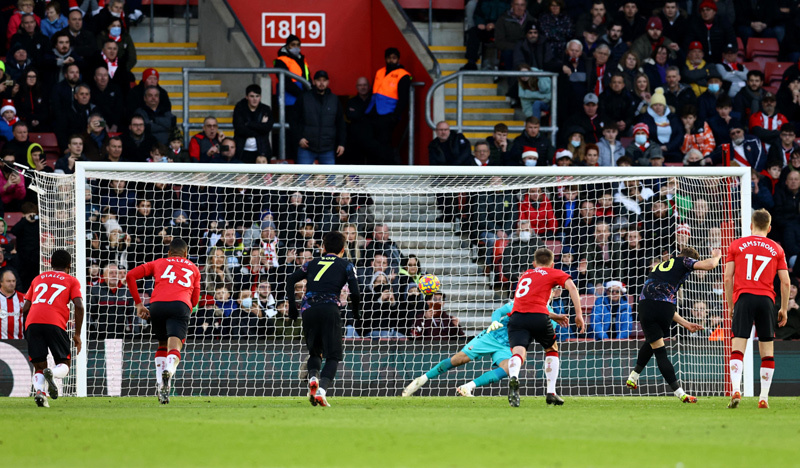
[756,260]
[50,294]
[666,278]
[176,279]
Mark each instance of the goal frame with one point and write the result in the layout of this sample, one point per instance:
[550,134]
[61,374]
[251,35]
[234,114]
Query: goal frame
[81,168]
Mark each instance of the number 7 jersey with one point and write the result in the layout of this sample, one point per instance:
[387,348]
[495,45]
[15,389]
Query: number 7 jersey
[756,261]
[176,279]
[50,294]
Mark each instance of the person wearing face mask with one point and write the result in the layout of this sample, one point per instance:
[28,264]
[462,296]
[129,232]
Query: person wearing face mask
[576,145]
[116,33]
[291,59]
[641,150]
[530,157]
[743,150]
[707,102]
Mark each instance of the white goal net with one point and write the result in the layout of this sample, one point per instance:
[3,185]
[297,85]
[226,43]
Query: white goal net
[250,226]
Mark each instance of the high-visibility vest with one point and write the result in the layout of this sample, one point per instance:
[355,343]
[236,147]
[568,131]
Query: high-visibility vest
[384,90]
[293,67]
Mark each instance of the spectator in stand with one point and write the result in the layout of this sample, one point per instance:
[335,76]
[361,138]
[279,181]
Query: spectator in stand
[76,117]
[205,145]
[731,71]
[382,244]
[674,20]
[665,127]
[534,92]
[782,150]
[630,67]
[591,157]
[566,208]
[66,164]
[378,265]
[743,150]
[484,19]
[618,105]
[531,137]
[37,159]
[532,50]
[30,39]
[127,50]
[611,316]
[149,79]
[493,214]
[573,79]
[159,122]
[786,213]
[60,95]
[590,121]
[17,63]
[766,124]
[8,120]
[82,39]
[61,55]
[11,324]
[695,70]
[136,143]
[712,31]
[360,142]
[12,184]
[435,323]
[599,254]
[578,233]
[114,9]
[509,30]
[600,73]
[697,134]
[290,59]
[677,94]
[519,253]
[109,57]
[28,239]
[53,20]
[107,98]
[448,148]
[24,8]
[641,92]
[482,153]
[227,153]
[19,144]
[498,144]
[656,66]
[793,166]
[613,39]
[722,121]
[390,94]
[31,102]
[537,208]
[608,147]
[789,99]
[640,151]
[252,125]
[596,17]
[95,137]
[576,145]
[589,42]
[321,124]
[632,261]
[110,306]
[758,19]
[707,102]
[748,101]
[644,45]
[633,24]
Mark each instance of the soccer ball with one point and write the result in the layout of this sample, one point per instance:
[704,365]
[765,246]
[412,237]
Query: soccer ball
[429,284]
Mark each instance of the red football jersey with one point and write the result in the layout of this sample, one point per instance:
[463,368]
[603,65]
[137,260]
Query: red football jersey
[50,294]
[534,287]
[177,279]
[756,261]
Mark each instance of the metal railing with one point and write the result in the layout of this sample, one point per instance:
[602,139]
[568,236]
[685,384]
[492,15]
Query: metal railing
[411,111]
[459,78]
[409,27]
[282,75]
[187,15]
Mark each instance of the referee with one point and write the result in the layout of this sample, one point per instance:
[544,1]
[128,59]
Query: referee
[322,319]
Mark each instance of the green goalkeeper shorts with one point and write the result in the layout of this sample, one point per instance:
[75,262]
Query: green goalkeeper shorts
[486,345]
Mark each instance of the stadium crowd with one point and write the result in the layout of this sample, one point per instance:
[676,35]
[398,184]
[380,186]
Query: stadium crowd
[640,83]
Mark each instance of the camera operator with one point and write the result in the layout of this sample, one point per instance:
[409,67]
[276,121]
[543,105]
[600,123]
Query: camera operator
[227,153]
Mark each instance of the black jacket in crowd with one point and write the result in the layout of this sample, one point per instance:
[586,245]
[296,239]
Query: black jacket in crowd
[321,121]
[248,124]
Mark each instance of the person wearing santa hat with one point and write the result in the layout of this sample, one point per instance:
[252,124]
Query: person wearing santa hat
[611,315]
[641,151]
[9,114]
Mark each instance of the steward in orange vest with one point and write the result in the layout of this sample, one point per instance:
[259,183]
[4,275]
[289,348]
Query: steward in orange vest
[391,85]
[290,58]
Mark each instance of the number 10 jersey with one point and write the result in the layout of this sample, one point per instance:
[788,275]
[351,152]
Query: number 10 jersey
[666,278]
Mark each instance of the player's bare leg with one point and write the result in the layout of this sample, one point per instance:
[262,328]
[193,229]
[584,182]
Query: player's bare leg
[737,356]
[39,384]
[514,366]
[766,349]
[552,365]
[161,366]
[174,346]
[458,359]
[490,377]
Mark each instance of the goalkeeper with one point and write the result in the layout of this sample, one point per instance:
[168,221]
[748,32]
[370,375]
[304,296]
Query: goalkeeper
[491,342]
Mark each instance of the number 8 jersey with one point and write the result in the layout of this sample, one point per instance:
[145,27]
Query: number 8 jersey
[534,287]
[177,279]
[756,261]
[50,294]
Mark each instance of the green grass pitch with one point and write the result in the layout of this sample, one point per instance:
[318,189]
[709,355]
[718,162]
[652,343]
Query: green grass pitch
[398,432]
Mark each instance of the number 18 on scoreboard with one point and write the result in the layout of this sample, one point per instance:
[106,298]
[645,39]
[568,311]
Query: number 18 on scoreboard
[309,27]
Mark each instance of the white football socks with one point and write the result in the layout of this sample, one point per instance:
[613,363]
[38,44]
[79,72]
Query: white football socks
[551,367]
[469,385]
[161,366]
[679,392]
[766,381]
[172,363]
[60,371]
[736,374]
[38,382]
[514,366]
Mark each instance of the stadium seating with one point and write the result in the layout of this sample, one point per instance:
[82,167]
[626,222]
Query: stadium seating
[740,53]
[762,47]
[755,65]
[12,218]
[773,73]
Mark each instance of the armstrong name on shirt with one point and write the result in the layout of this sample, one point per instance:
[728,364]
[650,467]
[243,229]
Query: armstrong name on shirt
[754,243]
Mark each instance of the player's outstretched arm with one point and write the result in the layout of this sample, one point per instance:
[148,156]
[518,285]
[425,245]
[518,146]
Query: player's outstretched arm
[576,302]
[711,262]
[79,312]
[786,287]
[297,276]
[727,280]
[692,327]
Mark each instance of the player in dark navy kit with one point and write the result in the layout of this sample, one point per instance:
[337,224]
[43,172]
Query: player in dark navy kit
[530,321]
[322,317]
[658,309]
[751,267]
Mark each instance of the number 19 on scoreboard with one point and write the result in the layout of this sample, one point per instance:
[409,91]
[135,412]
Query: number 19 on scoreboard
[309,27]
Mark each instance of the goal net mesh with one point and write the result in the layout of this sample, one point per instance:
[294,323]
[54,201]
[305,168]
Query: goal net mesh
[248,231]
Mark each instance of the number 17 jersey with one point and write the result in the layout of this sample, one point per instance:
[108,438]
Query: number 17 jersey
[176,279]
[756,261]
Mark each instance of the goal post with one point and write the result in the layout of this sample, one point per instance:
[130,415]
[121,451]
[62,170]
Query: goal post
[248,224]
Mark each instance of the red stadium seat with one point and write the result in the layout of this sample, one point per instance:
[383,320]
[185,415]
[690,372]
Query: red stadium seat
[554,246]
[740,54]
[48,141]
[763,61]
[773,73]
[626,141]
[12,218]
[754,66]
[587,303]
[762,47]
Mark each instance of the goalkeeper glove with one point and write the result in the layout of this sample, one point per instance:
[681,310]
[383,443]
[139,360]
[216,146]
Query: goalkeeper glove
[494,326]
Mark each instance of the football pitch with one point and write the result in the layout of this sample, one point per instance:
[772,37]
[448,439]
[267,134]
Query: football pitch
[398,432]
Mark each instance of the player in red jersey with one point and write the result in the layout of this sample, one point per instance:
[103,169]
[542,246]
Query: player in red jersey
[175,294]
[46,312]
[750,270]
[530,320]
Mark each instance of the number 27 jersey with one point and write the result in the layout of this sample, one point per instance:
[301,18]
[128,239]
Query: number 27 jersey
[176,279]
[756,261]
